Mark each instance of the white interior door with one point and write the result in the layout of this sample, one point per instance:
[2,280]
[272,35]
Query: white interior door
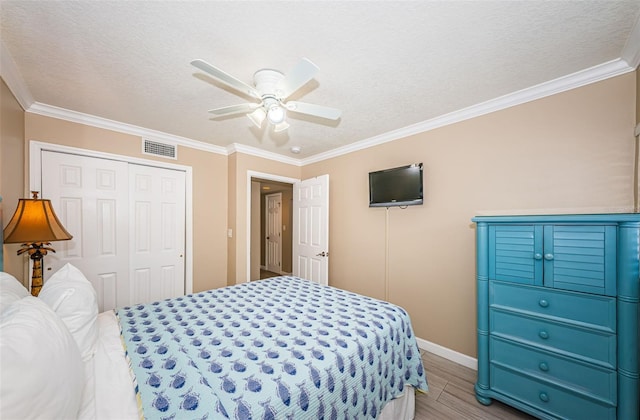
[273,232]
[157,229]
[90,197]
[311,229]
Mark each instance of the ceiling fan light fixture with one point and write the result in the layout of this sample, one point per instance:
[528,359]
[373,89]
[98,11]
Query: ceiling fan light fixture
[276,114]
[280,127]
[257,116]
[272,88]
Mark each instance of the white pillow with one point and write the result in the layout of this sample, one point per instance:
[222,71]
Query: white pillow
[8,282]
[73,298]
[11,290]
[42,372]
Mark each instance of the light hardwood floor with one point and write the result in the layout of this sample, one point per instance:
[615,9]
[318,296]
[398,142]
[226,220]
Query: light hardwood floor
[264,274]
[451,394]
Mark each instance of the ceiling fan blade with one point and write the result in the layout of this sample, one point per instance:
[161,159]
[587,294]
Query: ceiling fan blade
[226,78]
[296,78]
[234,109]
[315,110]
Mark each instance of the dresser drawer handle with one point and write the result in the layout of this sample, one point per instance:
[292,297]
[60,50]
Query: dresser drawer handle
[543,367]
[548,257]
[543,303]
[544,396]
[543,334]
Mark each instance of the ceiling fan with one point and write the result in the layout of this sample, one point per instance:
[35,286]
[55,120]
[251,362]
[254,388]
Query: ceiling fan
[271,89]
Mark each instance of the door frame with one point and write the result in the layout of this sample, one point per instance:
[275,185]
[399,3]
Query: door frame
[35,177]
[270,177]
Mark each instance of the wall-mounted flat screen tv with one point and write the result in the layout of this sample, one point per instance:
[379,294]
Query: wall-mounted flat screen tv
[400,186]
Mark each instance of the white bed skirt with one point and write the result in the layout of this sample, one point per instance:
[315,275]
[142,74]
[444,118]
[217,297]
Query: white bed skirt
[114,397]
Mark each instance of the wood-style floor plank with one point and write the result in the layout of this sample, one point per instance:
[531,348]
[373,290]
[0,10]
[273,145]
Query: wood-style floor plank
[451,394]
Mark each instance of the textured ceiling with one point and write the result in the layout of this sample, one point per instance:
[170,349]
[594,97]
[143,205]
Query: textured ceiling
[386,64]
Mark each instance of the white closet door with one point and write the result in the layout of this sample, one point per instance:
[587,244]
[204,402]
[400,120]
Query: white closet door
[157,232]
[127,222]
[90,197]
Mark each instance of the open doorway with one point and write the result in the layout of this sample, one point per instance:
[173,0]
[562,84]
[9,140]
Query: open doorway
[271,236]
[308,226]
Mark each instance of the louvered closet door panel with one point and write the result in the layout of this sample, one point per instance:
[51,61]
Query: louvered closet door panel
[157,229]
[517,256]
[90,197]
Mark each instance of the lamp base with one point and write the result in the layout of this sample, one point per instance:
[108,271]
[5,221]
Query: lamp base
[36,276]
[36,251]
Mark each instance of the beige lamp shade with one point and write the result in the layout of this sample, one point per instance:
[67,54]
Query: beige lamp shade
[35,221]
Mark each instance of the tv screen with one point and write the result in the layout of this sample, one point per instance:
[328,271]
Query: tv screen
[400,186]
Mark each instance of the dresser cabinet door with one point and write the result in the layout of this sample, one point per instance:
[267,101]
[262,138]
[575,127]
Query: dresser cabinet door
[580,258]
[516,253]
[569,257]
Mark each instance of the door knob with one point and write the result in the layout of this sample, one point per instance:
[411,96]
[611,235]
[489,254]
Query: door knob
[322,254]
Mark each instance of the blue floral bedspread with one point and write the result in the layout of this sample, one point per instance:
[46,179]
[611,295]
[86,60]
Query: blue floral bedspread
[281,348]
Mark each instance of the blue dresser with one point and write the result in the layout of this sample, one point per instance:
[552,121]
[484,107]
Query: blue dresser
[558,314]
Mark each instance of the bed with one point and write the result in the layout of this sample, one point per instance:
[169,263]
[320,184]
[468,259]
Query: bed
[277,348]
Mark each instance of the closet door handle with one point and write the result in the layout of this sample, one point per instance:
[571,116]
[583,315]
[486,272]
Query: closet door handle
[537,256]
[548,257]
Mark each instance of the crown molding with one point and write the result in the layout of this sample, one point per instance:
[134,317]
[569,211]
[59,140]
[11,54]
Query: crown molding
[631,50]
[581,78]
[562,84]
[253,151]
[13,78]
[86,119]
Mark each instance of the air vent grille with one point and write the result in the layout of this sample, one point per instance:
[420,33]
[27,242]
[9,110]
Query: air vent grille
[150,147]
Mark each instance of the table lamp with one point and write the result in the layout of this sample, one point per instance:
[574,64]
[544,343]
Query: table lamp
[35,225]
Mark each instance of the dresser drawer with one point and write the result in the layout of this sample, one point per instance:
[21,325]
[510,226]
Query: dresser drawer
[591,310]
[585,378]
[549,398]
[574,341]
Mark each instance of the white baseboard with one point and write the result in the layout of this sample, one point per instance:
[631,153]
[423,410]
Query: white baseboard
[454,356]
